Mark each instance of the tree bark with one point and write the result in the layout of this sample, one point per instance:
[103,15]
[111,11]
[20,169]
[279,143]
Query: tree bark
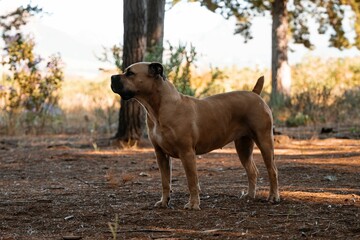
[155,29]
[280,70]
[132,115]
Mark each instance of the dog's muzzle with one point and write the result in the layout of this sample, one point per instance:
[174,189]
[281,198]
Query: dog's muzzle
[118,87]
[116,84]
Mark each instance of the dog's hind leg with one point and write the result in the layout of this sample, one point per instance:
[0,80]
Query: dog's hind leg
[266,146]
[244,148]
[164,162]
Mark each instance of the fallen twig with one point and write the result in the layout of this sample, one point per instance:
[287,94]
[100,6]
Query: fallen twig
[86,182]
[283,215]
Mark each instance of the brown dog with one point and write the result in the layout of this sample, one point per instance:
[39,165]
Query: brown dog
[183,127]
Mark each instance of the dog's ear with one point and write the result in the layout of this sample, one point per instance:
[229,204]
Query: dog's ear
[156,69]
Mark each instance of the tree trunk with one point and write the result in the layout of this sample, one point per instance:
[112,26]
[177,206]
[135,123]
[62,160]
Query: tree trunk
[131,122]
[155,29]
[132,115]
[280,70]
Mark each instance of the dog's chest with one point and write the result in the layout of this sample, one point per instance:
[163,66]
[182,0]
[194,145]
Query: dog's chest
[166,139]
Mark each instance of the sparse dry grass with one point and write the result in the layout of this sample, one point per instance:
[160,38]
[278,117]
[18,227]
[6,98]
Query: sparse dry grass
[90,106]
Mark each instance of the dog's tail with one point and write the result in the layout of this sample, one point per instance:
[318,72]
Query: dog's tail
[259,85]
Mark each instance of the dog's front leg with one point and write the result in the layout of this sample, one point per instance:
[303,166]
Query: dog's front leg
[188,160]
[164,162]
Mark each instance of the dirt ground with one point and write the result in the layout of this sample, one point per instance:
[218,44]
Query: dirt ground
[66,187]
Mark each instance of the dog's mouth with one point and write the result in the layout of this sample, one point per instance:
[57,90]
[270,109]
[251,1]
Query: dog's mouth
[126,95]
[118,87]
[114,89]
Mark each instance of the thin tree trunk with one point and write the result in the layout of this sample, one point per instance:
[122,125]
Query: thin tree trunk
[135,30]
[280,70]
[155,29]
[131,122]
[132,115]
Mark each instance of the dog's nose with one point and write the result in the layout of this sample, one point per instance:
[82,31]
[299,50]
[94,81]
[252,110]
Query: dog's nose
[116,84]
[113,78]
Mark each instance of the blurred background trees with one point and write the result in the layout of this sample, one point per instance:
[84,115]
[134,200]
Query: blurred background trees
[290,20]
[28,85]
[32,90]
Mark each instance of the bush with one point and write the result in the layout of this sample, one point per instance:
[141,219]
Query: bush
[27,93]
[347,105]
[324,91]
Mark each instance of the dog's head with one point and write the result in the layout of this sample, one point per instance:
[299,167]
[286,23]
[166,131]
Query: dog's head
[138,79]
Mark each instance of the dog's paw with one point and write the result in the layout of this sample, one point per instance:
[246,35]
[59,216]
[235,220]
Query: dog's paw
[274,198]
[192,206]
[162,204]
[247,196]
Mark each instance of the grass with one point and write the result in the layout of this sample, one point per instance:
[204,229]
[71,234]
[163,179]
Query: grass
[90,106]
[114,226]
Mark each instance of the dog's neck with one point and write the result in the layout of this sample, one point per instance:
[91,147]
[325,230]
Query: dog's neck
[167,93]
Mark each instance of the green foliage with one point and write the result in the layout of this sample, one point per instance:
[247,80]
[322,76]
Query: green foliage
[17,19]
[329,15]
[299,119]
[324,91]
[311,103]
[178,66]
[355,130]
[112,55]
[347,105]
[213,86]
[25,87]
[153,53]
[296,17]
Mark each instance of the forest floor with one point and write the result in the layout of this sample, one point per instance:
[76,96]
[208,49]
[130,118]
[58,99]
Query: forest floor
[66,187]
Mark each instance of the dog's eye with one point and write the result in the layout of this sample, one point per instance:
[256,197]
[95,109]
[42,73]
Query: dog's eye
[129,74]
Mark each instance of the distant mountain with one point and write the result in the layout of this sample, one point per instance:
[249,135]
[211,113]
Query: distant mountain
[79,56]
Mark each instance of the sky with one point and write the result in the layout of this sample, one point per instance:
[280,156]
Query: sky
[78,30]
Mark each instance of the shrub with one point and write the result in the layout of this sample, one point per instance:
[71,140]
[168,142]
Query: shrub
[27,92]
[324,91]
